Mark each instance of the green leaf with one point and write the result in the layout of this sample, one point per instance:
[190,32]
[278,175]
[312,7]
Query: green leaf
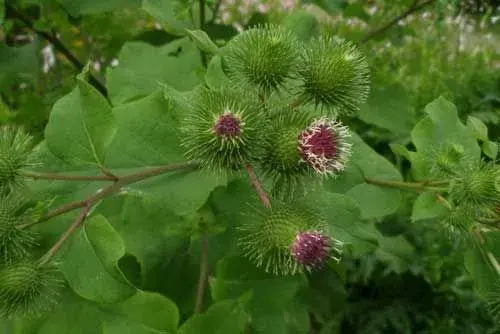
[396,252]
[224,317]
[343,216]
[374,201]
[215,76]
[144,312]
[90,264]
[203,41]
[389,107]
[483,275]
[427,206]
[148,134]
[303,23]
[147,311]
[441,126]
[80,7]
[81,125]
[478,128]
[273,304]
[151,232]
[173,14]
[490,148]
[143,67]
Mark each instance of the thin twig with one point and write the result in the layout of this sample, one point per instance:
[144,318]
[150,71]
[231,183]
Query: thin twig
[203,275]
[417,186]
[258,186]
[215,11]
[57,246]
[66,177]
[414,7]
[58,44]
[123,181]
[202,27]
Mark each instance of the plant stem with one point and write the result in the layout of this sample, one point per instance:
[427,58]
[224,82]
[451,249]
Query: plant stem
[215,11]
[57,176]
[203,275]
[58,44]
[57,246]
[202,27]
[414,7]
[258,186]
[417,186]
[122,181]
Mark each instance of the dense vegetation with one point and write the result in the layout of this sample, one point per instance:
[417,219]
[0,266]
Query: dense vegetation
[244,166]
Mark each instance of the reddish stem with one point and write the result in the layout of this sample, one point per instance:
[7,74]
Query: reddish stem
[258,186]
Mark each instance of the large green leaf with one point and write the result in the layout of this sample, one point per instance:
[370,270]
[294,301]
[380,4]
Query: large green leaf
[148,134]
[143,66]
[439,129]
[374,201]
[81,125]
[79,7]
[427,206]
[273,304]
[144,312]
[224,317]
[389,108]
[174,15]
[150,232]
[90,264]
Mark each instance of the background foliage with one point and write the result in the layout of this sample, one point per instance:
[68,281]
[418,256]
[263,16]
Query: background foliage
[96,82]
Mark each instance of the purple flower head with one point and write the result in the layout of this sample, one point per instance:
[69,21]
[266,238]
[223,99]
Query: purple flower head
[323,146]
[228,125]
[312,249]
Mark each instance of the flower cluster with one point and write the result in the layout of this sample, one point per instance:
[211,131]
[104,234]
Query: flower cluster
[277,111]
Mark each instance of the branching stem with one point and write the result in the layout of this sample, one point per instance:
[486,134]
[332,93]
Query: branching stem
[66,177]
[57,246]
[417,186]
[258,186]
[202,27]
[122,181]
[414,7]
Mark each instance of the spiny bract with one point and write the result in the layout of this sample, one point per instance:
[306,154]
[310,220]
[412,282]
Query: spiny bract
[477,185]
[264,56]
[15,243]
[27,289]
[223,131]
[15,146]
[334,74]
[268,240]
[299,147]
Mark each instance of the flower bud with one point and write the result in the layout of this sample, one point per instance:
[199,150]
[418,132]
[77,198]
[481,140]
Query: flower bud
[15,243]
[27,289]
[15,146]
[224,129]
[265,57]
[280,240]
[476,186]
[334,75]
